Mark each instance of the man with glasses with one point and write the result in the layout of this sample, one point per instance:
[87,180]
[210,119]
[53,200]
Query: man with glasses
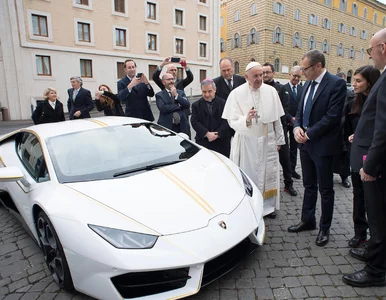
[317,128]
[293,90]
[368,158]
[284,156]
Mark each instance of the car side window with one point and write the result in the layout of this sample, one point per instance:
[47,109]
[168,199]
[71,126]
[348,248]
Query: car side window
[31,155]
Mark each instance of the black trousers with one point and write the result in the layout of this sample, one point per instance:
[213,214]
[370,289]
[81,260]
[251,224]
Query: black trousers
[375,201]
[317,172]
[284,158]
[293,148]
[359,210]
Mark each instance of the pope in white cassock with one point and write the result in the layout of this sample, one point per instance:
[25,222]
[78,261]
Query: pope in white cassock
[253,110]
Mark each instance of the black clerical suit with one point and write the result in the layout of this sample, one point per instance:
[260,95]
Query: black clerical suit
[206,117]
[369,145]
[222,88]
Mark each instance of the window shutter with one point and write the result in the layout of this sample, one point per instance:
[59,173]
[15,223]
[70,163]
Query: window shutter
[248,39]
[293,41]
[316,20]
[256,37]
[232,43]
[329,24]
[309,19]
[283,9]
[274,7]
[328,48]
[343,52]
[282,38]
[274,36]
[300,43]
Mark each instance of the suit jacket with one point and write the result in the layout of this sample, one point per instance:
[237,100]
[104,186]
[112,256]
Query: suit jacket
[370,133]
[293,104]
[137,105]
[203,122]
[223,89]
[44,113]
[324,130]
[83,102]
[167,107]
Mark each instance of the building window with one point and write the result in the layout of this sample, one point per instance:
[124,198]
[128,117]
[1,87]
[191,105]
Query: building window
[120,37]
[351,53]
[353,31]
[202,75]
[355,9]
[179,46]
[222,45]
[39,25]
[43,65]
[278,36]
[328,2]
[343,5]
[341,28]
[253,9]
[179,17]
[375,18]
[152,69]
[236,67]
[297,15]
[295,63]
[151,11]
[119,6]
[237,16]
[363,35]
[278,8]
[340,50]
[120,70]
[384,21]
[252,37]
[276,65]
[362,54]
[311,43]
[84,32]
[82,2]
[236,42]
[312,19]
[202,49]
[86,68]
[152,42]
[203,1]
[202,23]
[180,73]
[349,76]
[325,47]
[296,41]
[221,21]
[365,13]
[326,23]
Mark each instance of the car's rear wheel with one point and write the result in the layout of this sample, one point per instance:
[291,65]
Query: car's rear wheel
[53,252]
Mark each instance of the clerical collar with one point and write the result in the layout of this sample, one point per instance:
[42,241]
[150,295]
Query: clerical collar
[271,83]
[252,89]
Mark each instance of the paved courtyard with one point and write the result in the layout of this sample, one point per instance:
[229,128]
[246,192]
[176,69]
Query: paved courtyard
[288,266]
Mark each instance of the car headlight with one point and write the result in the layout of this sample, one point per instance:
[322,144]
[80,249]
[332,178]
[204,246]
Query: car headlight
[123,239]
[247,184]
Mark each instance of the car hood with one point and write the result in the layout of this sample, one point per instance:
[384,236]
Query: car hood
[173,199]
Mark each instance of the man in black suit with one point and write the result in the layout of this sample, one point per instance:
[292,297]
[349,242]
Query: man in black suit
[368,157]
[318,131]
[227,81]
[293,90]
[171,104]
[284,156]
[212,131]
[79,101]
[133,89]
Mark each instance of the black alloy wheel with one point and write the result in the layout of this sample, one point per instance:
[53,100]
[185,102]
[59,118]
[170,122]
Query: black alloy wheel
[53,252]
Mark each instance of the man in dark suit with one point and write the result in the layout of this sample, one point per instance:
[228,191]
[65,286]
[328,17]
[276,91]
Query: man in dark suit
[212,131]
[227,81]
[180,84]
[171,104]
[368,157]
[79,101]
[284,156]
[133,89]
[293,90]
[318,131]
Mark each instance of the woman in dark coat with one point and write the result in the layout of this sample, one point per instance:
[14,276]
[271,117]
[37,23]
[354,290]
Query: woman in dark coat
[108,102]
[364,79]
[50,111]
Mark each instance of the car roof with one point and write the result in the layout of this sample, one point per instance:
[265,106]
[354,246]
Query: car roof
[54,129]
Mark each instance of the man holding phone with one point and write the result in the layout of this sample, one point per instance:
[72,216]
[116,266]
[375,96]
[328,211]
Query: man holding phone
[133,90]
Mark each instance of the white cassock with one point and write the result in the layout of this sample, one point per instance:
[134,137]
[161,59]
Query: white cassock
[254,148]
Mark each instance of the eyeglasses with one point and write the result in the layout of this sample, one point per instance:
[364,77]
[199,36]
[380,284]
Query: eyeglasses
[305,69]
[296,76]
[267,72]
[371,48]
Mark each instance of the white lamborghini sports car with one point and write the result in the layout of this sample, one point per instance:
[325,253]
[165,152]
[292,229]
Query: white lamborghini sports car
[124,208]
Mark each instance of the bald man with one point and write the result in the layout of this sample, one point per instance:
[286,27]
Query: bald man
[368,158]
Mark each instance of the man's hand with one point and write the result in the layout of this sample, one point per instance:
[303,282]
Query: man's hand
[77,113]
[350,138]
[173,91]
[144,79]
[134,82]
[166,61]
[300,136]
[278,148]
[211,136]
[366,177]
[251,115]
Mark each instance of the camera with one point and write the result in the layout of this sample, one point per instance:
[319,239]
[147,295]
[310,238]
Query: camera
[175,59]
[139,75]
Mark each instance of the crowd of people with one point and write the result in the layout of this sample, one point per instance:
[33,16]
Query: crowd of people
[260,124]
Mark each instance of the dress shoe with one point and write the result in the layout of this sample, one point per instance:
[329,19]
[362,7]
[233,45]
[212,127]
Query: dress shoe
[359,253]
[346,183]
[290,190]
[302,226]
[271,215]
[296,175]
[364,279]
[356,241]
[323,237]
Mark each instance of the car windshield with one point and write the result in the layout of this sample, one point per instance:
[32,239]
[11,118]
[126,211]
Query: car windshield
[116,151]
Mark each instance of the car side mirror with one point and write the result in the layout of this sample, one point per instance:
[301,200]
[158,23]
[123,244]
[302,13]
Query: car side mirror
[10,174]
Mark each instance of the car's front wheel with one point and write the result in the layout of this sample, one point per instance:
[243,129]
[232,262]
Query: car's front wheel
[53,252]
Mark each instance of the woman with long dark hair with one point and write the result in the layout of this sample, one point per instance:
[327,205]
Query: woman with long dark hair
[364,79]
[108,102]
[49,111]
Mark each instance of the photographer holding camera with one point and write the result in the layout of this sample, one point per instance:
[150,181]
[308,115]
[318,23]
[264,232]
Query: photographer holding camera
[133,90]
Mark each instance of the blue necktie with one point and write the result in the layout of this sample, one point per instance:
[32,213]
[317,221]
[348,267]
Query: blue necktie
[294,93]
[307,109]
